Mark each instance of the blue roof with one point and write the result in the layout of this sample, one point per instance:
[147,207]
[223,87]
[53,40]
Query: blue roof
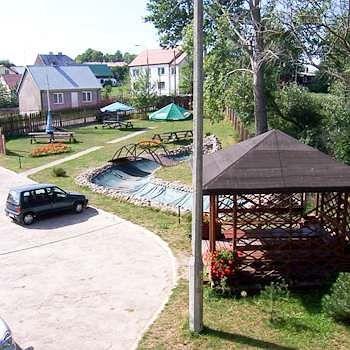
[115,107]
[56,60]
[63,77]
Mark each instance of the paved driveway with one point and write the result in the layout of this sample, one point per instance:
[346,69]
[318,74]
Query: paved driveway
[88,281]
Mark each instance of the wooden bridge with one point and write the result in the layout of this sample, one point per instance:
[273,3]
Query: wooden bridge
[145,150]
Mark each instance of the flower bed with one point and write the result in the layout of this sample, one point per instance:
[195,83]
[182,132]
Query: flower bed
[50,149]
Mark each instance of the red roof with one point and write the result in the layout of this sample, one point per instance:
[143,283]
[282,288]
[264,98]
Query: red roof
[157,56]
[12,80]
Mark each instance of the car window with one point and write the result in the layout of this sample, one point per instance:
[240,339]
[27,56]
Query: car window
[59,193]
[40,195]
[27,197]
[13,197]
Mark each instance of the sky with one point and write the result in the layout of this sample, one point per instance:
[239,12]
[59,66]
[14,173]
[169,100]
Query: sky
[30,27]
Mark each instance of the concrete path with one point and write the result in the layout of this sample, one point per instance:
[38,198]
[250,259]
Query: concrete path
[88,281]
[78,155]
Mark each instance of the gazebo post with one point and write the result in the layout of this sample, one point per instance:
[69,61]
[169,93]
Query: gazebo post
[212,222]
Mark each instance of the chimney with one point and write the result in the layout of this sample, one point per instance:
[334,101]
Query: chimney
[60,53]
[50,53]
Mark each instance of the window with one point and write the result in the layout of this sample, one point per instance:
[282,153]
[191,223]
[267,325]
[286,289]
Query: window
[13,197]
[161,71]
[135,73]
[173,70]
[87,96]
[161,85]
[58,98]
[58,193]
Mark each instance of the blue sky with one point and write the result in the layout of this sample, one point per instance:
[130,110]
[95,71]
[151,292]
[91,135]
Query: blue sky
[71,26]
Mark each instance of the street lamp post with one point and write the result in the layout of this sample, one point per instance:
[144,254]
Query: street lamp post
[196,264]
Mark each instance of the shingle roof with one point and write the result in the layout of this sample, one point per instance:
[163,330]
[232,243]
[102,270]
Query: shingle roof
[101,70]
[64,77]
[157,56]
[11,80]
[273,161]
[56,60]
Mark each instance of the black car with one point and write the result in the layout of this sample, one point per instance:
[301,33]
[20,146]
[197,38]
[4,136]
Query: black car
[25,203]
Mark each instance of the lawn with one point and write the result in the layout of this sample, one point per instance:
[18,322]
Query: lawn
[244,323]
[87,136]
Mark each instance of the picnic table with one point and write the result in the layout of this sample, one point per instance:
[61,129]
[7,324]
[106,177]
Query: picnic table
[54,137]
[114,124]
[173,136]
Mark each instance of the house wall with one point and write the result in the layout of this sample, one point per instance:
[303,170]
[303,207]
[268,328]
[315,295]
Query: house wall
[29,96]
[170,80]
[67,100]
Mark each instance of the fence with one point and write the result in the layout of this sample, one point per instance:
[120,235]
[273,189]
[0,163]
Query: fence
[238,126]
[19,125]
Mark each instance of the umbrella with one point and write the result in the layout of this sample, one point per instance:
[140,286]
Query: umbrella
[49,126]
[170,112]
[117,107]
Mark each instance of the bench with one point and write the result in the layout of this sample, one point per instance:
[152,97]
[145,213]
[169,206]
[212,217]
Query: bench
[116,124]
[56,136]
[173,136]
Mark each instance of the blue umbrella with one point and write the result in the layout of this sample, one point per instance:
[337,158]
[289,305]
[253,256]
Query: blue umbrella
[49,126]
[117,107]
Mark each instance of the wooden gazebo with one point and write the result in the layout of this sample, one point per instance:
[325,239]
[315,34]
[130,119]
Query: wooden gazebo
[283,206]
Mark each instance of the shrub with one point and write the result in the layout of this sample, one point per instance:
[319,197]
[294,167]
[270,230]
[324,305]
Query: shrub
[337,303]
[50,149]
[59,172]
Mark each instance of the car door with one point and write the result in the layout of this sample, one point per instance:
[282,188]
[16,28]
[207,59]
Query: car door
[39,201]
[61,199]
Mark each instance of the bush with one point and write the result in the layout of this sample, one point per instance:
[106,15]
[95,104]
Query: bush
[50,149]
[59,172]
[337,303]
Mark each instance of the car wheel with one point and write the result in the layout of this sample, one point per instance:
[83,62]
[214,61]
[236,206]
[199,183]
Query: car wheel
[78,207]
[28,219]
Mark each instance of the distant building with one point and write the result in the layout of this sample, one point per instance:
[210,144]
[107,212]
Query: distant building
[6,70]
[68,86]
[10,81]
[54,60]
[164,66]
[306,75]
[103,73]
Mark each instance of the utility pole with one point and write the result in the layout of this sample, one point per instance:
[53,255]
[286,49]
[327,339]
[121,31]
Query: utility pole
[196,264]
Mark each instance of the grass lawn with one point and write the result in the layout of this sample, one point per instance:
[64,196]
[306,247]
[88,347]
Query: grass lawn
[86,137]
[230,323]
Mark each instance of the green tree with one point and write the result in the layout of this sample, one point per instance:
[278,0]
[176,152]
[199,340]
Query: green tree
[143,94]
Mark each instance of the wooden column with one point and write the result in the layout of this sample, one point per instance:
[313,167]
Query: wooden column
[212,222]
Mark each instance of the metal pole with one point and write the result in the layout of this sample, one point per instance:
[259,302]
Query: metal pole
[196,264]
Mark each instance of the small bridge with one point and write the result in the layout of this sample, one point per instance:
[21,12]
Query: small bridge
[146,150]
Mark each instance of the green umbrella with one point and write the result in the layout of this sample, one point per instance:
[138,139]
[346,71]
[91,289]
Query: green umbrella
[170,112]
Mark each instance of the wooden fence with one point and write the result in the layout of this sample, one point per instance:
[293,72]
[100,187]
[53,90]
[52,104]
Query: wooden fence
[237,124]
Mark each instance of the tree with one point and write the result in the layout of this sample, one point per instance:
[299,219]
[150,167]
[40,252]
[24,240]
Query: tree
[169,17]
[143,93]
[90,55]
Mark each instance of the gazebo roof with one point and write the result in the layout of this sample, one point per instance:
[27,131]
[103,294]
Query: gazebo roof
[272,162]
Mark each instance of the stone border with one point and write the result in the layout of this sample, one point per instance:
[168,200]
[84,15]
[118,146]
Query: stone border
[211,144]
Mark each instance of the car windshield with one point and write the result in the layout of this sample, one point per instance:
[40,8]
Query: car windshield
[13,197]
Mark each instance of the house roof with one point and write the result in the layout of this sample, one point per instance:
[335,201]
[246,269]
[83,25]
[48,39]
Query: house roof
[157,56]
[55,60]
[101,70]
[11,80]
[62,77]
[18,69]
[273,161]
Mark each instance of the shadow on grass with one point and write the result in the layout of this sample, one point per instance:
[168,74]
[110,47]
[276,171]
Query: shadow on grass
[16,153]
[244,340]
[292,323]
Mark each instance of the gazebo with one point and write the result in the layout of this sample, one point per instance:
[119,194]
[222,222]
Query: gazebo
[282,206]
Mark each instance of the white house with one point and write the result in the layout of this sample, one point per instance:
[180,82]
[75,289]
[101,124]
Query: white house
[164,67]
